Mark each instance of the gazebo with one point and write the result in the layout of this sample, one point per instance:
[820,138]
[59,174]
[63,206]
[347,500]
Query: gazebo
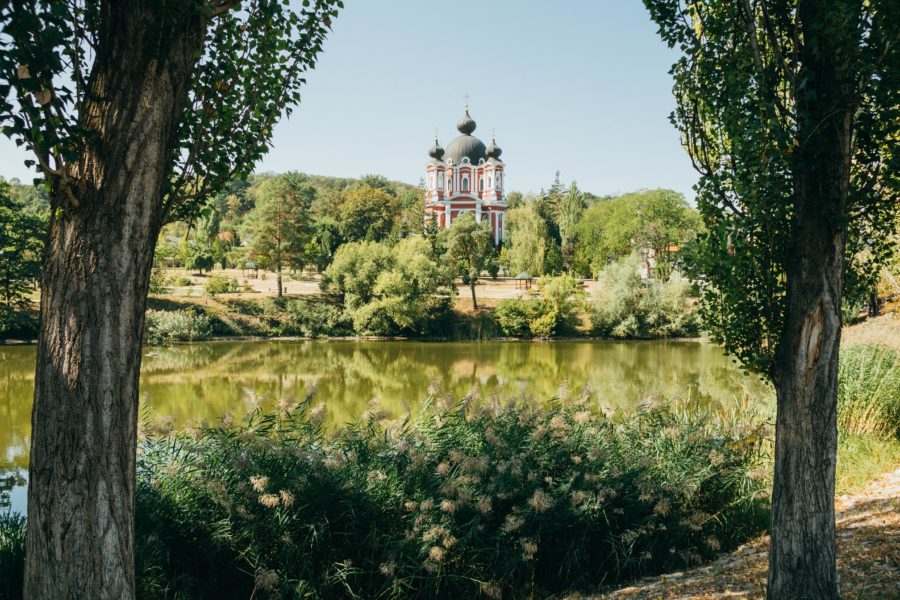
[525,279]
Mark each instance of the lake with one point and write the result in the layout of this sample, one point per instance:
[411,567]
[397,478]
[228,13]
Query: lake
[197,383]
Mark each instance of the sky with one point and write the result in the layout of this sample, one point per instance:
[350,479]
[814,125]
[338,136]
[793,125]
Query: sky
[578,86]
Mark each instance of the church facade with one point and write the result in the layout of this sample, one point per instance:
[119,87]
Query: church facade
[466,177]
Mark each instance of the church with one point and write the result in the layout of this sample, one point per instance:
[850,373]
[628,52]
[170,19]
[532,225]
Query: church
[467,176]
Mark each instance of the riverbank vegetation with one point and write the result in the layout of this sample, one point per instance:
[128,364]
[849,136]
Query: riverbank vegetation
[471,498]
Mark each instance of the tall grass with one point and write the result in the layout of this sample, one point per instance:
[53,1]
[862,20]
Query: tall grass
[869,390]
[509,501]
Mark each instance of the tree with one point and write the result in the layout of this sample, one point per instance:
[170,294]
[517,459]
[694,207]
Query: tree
[571,207]
[547,205]
[135,112]
[21,242]
[470,249]
[352,275]
[649,222]
[367,213]
[789,110]
[526,241]
[408,293]
[279,226]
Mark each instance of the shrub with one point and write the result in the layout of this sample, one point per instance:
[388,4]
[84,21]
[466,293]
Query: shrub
[160,282]
[168,326]
[12,555]
[388,291]
[315,319]
[514,316]
[219,284]
[624,306]
[184,281]
[460,503]
[553,314]
[869,390]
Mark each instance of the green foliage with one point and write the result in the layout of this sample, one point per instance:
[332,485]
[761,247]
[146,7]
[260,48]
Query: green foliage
[571,208]
[219,284]
[747,115]
[862,459]
[869,391]
[12,555]
[554,314]
[389,291]
[249,69]
[456,504]
[644,221]
[470,248]
[21,246]
[168,326]
[279,226]
[526,241]
[351,276]
[625,306]
[515,316]
[315,319]
[367,213]
[160,282]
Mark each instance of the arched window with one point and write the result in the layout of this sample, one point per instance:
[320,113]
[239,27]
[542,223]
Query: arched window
[449,184]
[500,180]
[440,181]
[431,181]
[465,184]
[481,183]
[489,181]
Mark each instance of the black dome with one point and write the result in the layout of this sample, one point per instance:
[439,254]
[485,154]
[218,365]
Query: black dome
[494,150]
[436,152]
[466,146]
[466,125]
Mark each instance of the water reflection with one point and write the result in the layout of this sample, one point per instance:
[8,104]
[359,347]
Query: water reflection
[203,382]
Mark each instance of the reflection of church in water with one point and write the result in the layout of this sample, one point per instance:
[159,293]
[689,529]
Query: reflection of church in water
[466,177]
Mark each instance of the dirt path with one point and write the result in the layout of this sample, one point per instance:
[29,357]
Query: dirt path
[868,547]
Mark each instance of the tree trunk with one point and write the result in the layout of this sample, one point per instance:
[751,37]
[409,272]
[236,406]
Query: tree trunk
[474,301]
[279,282]
[802,554]
[94,286]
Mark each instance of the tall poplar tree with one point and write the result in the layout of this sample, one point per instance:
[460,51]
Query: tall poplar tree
[135,111]
[789,110]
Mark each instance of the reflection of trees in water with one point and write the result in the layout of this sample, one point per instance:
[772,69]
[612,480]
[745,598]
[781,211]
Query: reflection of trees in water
[203,382]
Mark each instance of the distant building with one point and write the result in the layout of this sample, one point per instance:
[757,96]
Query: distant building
[467,176]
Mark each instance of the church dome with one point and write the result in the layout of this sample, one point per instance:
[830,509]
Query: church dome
[466,146]
[466,124]
[436,152]
[494,151]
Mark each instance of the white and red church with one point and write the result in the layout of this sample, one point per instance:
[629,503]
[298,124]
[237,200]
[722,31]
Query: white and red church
[466,177]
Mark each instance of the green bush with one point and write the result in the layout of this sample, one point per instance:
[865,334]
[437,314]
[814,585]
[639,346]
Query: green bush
[460,503]
[555,313]
[514,316]
[219,284]
[167,326]
[389,290]
[12,555]
[869,390]
[315,319]
[625,306]
[160,282]
[184,281]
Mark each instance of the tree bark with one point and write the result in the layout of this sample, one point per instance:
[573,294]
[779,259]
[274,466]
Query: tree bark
[474,301]
[279,281]
[94,286]
[802,551]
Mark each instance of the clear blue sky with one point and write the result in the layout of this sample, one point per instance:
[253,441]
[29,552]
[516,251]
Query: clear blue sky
[576,85]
